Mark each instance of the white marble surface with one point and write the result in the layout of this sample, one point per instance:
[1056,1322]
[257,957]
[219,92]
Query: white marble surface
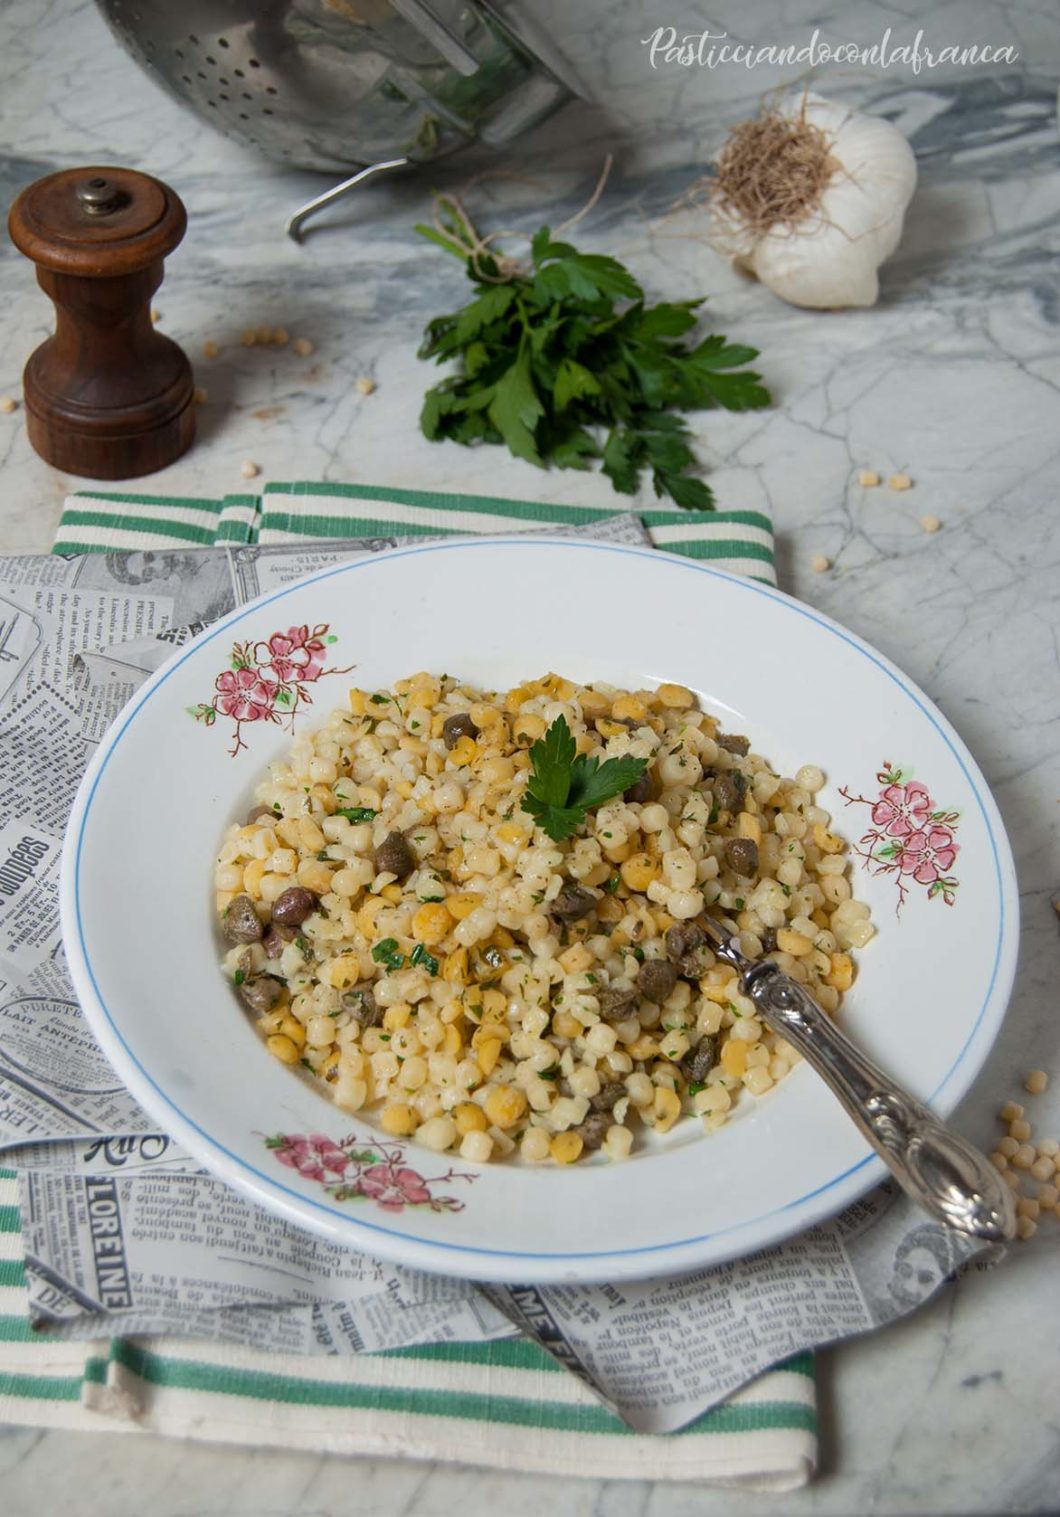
[954,376]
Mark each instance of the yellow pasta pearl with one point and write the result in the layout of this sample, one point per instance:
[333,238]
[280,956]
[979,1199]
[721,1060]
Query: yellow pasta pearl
[667,1108]
[398,1119]
[431,923]
[734,1057]
[677,697]
[841,975]
[566,1147]
[469,1118]
[487,1053]
[344,971]
[505,1104]
[639,871]
[463,904]
[463,752]
[282,1048]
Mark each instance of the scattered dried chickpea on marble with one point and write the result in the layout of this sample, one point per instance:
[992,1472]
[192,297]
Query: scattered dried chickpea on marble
[404,930]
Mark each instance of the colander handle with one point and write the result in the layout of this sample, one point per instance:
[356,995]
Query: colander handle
[303,213]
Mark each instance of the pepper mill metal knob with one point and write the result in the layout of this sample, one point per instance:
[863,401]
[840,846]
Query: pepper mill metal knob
[106,396]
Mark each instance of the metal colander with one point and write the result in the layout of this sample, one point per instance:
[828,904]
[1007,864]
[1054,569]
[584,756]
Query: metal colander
[341,84]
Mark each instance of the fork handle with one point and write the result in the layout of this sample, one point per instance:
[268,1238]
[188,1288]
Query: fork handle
[944,1173]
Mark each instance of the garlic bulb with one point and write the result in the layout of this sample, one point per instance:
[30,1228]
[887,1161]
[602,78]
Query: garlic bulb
[811,200]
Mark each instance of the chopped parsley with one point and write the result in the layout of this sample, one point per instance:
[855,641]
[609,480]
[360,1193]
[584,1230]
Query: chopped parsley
[239,977]
[302,944]
[419,955]
[696,1086]
[638,954]
[357,814]
[386,952]
[786,889]
[713,817]
[612,884]
[379,700]
[739,903]
[551,1073]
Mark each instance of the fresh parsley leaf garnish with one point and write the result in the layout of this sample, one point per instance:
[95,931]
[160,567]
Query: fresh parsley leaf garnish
[357,814]
[419,955]
[612,884]
[696,1086]
[565,785]
[564,363]
[386,952]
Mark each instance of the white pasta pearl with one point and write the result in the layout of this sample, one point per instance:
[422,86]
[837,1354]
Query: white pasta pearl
[351,1092]
[653,817]
[482,860]
[809,778]
[448,797]
[320,1031]
[641,1090]
[476,1146]
[600,1040]
[618,1142]
[439,1133]
[413,1073]
[585,1082]
[357,875]
[322,771]
[475,927]
[681,768]
[679,869]
[535,1021]
[535,1145]
[684,904]
[568,1111]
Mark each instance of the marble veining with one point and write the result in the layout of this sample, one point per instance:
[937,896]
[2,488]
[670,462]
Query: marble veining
[953,377]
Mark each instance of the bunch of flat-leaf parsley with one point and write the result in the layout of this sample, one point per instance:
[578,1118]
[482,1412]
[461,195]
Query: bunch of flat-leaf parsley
[565,363]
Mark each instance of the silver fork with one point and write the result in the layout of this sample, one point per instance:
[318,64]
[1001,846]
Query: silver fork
[944,1173]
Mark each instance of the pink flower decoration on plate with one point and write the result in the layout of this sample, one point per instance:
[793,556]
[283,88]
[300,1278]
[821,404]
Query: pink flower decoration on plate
[910,839]
[901,809]
[295,656]
[394,1188]
[928,855]
[314,1157]
[370,1169]
[243,695]
[268,680]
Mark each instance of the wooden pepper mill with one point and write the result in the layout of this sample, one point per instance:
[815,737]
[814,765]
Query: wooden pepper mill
[106,396]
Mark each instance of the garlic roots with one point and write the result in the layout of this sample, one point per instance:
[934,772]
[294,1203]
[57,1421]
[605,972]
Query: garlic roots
[810,199]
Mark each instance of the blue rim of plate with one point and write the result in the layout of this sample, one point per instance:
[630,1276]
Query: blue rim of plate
[953,742]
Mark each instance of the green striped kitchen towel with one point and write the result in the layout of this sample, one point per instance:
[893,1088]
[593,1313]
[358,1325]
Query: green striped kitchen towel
[507,1405]
[740,541]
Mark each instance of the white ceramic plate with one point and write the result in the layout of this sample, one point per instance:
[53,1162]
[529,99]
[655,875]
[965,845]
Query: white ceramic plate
[143,949]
